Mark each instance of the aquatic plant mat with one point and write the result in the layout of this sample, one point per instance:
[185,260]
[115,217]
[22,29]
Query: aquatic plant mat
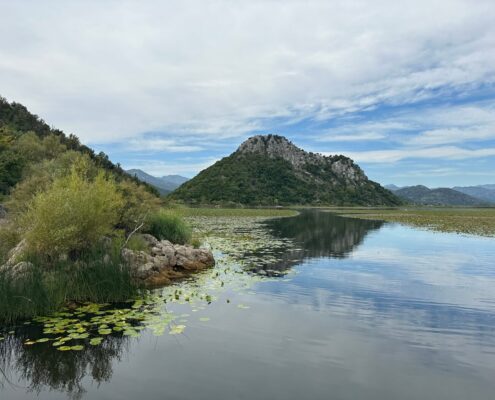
[246,254]
[473,221]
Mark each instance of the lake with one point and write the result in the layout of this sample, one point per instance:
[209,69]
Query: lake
[315,306]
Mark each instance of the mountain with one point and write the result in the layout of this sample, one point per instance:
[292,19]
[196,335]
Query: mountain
[392,187]
[165,184]
[16,121]
[270,170]
[437,197]
[483,192]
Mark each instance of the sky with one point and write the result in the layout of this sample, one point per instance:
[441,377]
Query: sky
[406,89]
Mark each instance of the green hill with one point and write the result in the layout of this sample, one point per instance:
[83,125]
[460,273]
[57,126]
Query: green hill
[16,122]
[270,170]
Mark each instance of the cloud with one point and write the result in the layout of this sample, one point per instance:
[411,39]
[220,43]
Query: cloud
[160,145]
[435,153]
[160,168]
[109,71]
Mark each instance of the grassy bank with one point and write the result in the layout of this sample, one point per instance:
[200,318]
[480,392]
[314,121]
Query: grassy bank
[473,221]
[97,276]
[234,212]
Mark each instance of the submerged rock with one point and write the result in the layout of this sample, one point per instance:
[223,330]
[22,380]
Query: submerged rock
[165,261]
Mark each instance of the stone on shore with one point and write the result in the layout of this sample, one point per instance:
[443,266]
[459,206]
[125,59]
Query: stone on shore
[165,261]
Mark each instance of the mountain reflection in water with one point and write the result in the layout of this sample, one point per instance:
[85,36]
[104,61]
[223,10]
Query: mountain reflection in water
[364,310]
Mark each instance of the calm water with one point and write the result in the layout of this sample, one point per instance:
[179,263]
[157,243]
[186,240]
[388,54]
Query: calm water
[367,310]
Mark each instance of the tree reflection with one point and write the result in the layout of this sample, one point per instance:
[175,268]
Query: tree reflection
[44,367]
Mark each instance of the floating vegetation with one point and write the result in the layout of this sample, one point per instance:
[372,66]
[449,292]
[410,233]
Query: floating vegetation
[472,221]
[245,252]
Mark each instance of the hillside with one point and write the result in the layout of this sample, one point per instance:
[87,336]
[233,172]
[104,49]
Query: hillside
[164,184]
[16,122]
[437,197]
[483,192]
[270,170]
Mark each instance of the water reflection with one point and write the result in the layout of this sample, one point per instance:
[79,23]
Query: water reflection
[41,367]
[372,311]
[323,234]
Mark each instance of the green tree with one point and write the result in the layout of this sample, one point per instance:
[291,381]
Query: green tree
[72,214]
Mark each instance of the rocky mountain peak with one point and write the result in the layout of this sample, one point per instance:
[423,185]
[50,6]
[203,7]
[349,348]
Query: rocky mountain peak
[277,146]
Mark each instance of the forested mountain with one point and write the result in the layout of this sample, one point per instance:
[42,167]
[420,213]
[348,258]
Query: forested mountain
[164,184]
[19,130]
[437,197]
[270,170]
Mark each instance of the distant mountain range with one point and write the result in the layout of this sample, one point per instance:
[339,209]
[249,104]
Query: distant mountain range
[481,195]
[270,170]
[165,184]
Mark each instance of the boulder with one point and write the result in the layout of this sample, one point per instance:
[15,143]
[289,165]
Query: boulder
[165,262]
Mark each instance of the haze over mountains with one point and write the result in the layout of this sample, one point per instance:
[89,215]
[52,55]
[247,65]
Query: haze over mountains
[481,195]
[164,184]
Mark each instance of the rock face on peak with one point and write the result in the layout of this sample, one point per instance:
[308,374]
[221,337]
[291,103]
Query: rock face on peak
[271,170]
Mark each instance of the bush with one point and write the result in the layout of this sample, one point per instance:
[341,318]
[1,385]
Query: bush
[137,243]
[138,203]
[165,225]
[9,238]
[72,214]
[92,278]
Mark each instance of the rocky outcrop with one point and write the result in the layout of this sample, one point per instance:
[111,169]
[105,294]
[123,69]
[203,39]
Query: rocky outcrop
[165,262]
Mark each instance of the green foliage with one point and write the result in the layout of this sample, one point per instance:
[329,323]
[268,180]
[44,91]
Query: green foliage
[137,243]
[16,122]
[93,278]
[72,214]
[9,237]
[166,225]
[257,180]
[138,203]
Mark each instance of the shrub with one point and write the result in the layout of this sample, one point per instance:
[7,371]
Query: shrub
[9,237]
[72,214]
[138,203]
[137,243]
[165,225]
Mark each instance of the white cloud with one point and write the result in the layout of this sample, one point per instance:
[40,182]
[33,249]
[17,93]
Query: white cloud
[159,145]
[441,152]
[112,70]
[160,168]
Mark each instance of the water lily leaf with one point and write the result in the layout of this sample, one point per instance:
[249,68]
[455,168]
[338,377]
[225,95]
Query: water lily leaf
[104,331]
[42,340]
[64,348]
[177,329]
[204,319]
[96,341]
[77,348]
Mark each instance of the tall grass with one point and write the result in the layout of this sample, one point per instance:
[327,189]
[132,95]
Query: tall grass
[168,225]
[44,289]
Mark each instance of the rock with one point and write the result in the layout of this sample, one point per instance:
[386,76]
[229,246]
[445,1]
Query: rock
[17,270]
[150,239]
[16,253]
[165,262]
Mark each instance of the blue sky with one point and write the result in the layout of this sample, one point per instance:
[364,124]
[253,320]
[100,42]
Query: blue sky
[406,90]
